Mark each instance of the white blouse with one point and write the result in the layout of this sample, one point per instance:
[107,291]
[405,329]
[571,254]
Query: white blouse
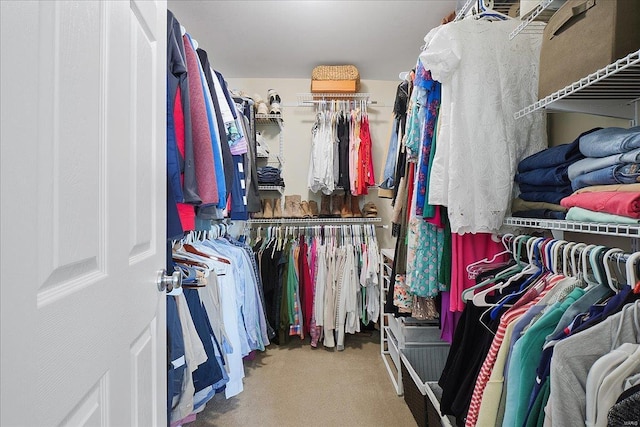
[485,79]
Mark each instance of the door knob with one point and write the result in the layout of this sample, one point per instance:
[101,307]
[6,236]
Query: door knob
[168,283]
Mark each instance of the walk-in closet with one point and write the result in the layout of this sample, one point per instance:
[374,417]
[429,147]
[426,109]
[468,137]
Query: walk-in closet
[320,213]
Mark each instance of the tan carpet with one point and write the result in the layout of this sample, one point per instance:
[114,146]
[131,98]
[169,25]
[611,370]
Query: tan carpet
[295,385]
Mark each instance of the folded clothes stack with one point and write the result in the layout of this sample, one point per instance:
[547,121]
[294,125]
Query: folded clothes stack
[268,175]
[544,180]
[612,156]
[617,204]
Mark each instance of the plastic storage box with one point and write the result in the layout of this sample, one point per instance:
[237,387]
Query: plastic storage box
[421,368]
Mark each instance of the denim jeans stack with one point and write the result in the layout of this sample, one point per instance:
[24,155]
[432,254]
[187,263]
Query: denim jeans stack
[543,179]
[268,175]
[612,156]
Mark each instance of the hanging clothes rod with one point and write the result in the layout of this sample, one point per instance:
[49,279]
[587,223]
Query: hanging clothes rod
[292,224]
[321,101]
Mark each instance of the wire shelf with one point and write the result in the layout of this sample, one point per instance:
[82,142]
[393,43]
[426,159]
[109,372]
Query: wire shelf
[341,188]
[318,221]
[271,188]
[617,81]
[622,230]
[463,11]
[269,118]
[308,99]
[539,13]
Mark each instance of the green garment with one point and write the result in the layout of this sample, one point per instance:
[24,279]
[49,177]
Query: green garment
[283,330]
[526,356]
[579,214]
[444,275]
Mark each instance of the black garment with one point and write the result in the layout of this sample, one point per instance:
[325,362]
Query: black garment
[343,149]
[626,411]
[403,93]
[177,77]
[270,274]
[401,101]
[471,342]
[401,167]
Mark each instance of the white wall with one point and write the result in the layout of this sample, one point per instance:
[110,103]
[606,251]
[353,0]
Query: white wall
[297,135]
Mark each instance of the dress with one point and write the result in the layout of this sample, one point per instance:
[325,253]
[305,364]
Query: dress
[478,149]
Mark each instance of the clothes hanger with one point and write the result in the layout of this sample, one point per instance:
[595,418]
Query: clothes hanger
[479,299]
[483,12]
[556,260]
[613,284]
[468,293]
[538,274]
[575,262]
[584,265]
[566,259]
[597,261]
[472,271]
[630,269]
[190,248]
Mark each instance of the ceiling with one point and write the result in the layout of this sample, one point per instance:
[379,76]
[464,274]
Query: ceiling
[286,39]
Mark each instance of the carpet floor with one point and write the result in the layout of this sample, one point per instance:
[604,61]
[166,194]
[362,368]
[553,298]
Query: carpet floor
[295,385]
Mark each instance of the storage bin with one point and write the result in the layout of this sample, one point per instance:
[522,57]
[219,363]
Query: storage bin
[420,366]
[335,78]
[410,332]
[334,86]
[584,36]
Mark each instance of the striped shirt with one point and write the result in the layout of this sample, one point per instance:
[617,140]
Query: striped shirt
[529,299]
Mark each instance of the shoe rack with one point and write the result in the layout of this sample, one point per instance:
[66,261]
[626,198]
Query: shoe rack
[266,122]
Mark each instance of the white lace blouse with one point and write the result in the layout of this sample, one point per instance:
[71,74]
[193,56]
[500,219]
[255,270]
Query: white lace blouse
[485,79]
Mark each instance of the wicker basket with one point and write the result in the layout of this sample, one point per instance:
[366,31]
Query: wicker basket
[335,72]
[335,79]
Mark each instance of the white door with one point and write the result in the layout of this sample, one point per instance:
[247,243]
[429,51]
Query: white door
[82,219]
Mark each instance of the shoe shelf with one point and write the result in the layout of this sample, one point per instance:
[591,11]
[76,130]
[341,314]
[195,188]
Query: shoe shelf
[620,230]
[540,14]
[369,187]
[275,119]
[314,220]
[274,158]
[612,91]
[277,188]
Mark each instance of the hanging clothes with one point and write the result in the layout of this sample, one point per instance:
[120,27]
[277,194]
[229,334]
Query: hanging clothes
[341,149]
[320,281]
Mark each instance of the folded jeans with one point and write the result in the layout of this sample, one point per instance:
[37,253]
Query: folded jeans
[554,156]
[608,141]
[590,164]
[617,174]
